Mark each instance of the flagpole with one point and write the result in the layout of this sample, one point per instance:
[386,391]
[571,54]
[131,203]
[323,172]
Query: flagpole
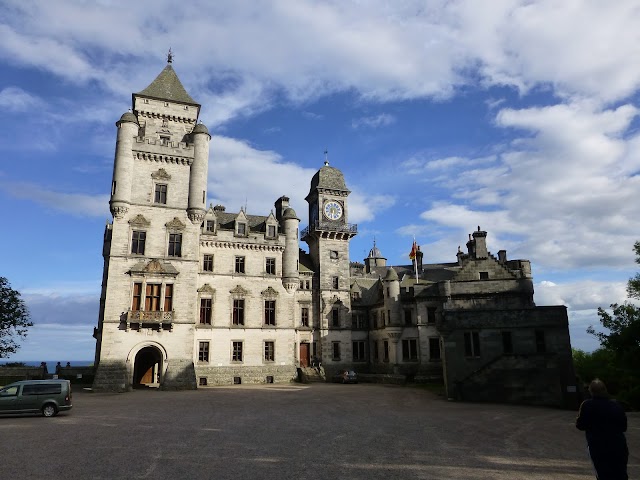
[415,260]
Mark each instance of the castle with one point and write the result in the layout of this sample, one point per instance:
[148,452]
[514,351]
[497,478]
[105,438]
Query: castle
[193,295]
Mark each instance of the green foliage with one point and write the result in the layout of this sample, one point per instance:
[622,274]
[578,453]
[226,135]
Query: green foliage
[616,362]
[14,319]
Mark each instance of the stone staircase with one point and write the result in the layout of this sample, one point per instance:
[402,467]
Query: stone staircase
[311,375]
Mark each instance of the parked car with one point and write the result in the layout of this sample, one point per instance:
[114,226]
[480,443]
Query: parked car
[36,396]
[346,376]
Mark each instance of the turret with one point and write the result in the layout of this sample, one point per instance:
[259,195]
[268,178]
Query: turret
[123,165]
[198,174]
[392,295]
[290,256]
[480,242]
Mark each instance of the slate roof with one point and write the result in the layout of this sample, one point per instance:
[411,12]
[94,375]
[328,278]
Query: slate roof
[167,86]
[329,178]
[226,221]
[306,263]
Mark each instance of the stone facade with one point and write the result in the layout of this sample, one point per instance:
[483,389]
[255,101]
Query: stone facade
[196,296]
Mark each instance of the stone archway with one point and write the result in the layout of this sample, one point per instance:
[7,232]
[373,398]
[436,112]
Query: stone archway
[147,368]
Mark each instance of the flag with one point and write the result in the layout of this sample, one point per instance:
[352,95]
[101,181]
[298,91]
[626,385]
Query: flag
[414,249]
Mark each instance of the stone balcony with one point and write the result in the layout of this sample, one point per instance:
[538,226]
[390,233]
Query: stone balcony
[139,318]
[333,230]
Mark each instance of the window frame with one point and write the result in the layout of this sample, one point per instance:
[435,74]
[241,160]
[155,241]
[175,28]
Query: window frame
[237,351]
[175,245]
[410,350]
[270,265]
[207,262]
[304,316]
[160,195]
[359,350]
[472,344]
[335,351]
[239,264]
[203,351]
[206,311]
[237,312]
[270,312]
[138,242]
[432,357]
[269,351]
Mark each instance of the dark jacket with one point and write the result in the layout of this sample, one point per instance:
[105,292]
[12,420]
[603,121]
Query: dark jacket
[604,423]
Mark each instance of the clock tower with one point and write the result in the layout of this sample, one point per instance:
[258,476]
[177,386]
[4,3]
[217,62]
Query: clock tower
[328,236]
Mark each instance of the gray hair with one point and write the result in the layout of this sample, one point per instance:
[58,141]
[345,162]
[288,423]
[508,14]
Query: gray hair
[597,388]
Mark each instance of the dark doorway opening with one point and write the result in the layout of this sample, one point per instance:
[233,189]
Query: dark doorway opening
[147,368]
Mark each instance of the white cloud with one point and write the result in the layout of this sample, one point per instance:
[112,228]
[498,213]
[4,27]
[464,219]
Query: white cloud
[77,204]
[375,121]
[14,99]
[567,188]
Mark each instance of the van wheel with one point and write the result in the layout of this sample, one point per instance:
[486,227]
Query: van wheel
[49,410]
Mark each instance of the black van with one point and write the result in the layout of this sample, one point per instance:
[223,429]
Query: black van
[32,396]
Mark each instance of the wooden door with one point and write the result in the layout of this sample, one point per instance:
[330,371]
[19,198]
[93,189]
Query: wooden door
[304,354]
[147,377]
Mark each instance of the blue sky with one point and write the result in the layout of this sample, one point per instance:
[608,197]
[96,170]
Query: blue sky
[516,115]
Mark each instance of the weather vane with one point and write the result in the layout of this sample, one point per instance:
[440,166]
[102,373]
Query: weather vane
[326,156]
[170,56]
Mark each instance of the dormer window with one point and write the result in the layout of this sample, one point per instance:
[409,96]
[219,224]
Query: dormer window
[242,228]
[271,231]
[210,226]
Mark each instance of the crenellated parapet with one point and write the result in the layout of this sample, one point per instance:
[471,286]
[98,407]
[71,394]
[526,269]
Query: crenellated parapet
[162,158]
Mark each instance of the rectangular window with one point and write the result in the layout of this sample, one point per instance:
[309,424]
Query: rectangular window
[242,228]
[137,297]
[161,193]
[359,351]
[374,319]
[472,344]
[541,346]
[383,319]
[431,314]
[270,312]
[270,266]
[385,347]
[238,312]
[239,264]
[203,352]
[175,244]
[168,297]
[407,317]
[335,346]
[205,311]
[269,351]
[137,242]
[434,348]
[271,231]
[210,226]
[336,283]
[484,275]
[507,342]
[152,297]
[207,263]
[304,316]
[410,350]
[335,317]
[374,346]
[236,354]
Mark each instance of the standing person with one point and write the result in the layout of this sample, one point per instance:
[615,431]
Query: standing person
[604,423]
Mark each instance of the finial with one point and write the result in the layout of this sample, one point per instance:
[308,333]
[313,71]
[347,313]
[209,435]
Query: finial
[478,227]
[170,56]
[326,157]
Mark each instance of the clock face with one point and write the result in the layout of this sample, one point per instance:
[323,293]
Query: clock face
[332,210]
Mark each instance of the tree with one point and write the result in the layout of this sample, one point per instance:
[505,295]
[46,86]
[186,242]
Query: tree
[14,319]
[622,339]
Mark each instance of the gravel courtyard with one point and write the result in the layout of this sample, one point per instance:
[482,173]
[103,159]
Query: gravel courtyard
[318,431]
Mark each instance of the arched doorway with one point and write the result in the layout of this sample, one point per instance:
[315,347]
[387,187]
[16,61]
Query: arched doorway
[147,368]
